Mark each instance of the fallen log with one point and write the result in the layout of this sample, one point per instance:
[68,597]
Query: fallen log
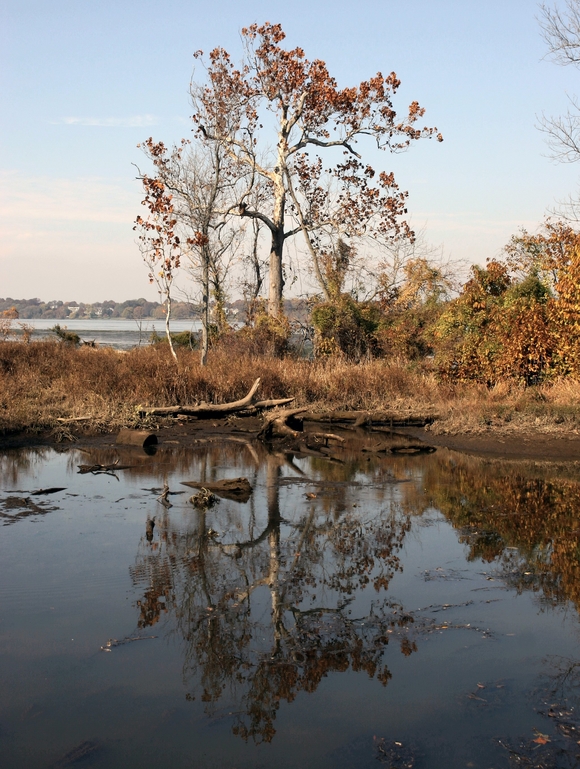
[205,409]
[106,469]
[259,406]
[136,438]
[237,489]
[282,424]
[360,418]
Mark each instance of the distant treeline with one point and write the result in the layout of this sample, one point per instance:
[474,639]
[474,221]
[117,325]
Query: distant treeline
[132,309]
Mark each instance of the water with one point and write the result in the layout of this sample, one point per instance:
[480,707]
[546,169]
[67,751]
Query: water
[404,611]
[118,333]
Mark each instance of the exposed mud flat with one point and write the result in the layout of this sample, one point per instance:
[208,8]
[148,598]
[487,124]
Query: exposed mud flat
[555,446]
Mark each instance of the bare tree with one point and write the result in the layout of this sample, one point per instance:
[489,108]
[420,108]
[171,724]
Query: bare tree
[201,181]
[160,244]
[255,267]
[561,31]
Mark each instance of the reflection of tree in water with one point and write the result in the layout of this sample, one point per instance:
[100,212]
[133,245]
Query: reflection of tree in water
[557,699]
[266,609]
[159,594]
[530,526]
[155,460]
[18,462]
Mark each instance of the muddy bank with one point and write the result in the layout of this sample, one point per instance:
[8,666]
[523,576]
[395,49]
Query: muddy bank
[560,447]
[555,447]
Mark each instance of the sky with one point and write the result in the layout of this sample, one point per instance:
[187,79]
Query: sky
[83,82]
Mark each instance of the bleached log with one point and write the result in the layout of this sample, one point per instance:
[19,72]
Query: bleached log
[203,409]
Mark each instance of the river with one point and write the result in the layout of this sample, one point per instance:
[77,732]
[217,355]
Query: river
[403,611]
[118,333]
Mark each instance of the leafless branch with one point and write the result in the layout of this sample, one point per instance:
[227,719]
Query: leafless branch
[563,133]
[561,31]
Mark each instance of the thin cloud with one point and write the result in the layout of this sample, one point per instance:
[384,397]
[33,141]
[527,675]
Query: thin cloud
[27,201]
[136,121]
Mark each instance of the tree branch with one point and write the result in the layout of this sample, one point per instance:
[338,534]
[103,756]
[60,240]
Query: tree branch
[210,409]
[562,33]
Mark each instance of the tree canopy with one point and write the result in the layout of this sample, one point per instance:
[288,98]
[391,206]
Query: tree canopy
[279,98]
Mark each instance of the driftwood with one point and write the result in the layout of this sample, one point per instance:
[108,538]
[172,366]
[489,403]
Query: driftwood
[289,423]
[136,438]
[106,469]
[237,489]
[282,424]
[287,426]
[360,418]
[207,409]
[204,499]
[259,406]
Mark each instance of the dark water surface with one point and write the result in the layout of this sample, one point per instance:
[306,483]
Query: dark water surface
[399,611]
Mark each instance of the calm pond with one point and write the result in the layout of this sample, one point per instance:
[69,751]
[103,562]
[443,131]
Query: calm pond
[385,610]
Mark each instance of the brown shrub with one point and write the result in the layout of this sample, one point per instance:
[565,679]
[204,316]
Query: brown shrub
[42,382]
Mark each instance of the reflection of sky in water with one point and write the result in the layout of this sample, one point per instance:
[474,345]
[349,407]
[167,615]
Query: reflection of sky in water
[118,333]
[336,606]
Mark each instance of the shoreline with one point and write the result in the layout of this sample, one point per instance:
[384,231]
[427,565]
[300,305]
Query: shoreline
[525,445]
[494,444]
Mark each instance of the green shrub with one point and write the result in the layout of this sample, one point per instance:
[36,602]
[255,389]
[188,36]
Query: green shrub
[188,339]
[66,336]
[345,326]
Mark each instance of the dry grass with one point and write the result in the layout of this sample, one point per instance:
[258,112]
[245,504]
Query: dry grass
[44,383]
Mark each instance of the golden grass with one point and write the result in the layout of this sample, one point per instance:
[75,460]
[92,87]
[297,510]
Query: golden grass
[44,383]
